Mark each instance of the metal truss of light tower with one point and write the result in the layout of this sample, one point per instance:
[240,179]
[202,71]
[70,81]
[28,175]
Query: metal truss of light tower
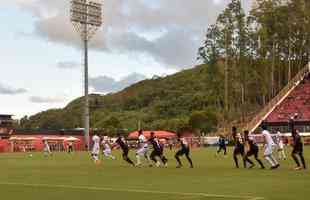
[86,17]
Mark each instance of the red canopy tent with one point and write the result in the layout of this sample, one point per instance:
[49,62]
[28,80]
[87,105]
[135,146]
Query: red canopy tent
[158,134]
[35,143]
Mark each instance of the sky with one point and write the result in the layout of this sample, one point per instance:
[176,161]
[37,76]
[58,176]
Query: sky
[41,54]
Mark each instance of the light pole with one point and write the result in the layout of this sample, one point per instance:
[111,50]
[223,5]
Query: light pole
[86,17]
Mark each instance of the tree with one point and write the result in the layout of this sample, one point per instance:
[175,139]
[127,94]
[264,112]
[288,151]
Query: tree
[203,121]
[24,122]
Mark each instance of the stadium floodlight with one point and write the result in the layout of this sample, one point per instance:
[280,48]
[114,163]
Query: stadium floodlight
[86,17]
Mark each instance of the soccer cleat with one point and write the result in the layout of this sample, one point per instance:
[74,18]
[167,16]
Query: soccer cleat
[166,165]
[179,166]
[275,167]
[138,165]
[297,168]
[157,164]
[251,166]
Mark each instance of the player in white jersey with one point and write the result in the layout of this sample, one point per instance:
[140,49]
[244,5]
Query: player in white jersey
[107,152]
[142,149]
[280,146]
[268,147]
[47,149]
[96,149]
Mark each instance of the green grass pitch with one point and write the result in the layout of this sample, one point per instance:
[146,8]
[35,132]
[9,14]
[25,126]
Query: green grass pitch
[75,177]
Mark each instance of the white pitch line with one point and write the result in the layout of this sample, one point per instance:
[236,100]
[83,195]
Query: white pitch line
[132,191]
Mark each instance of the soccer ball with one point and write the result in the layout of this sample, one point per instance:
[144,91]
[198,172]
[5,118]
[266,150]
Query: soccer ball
[30,155]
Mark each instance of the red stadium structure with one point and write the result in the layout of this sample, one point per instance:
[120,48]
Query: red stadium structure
[296,105]
[158,134]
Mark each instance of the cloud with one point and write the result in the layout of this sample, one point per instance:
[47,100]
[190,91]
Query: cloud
[38,99]
[67,65]
[105,84]
[168,31]
[16,2]
[7,90]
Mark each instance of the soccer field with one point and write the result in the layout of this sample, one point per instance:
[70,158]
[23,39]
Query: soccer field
[73,177]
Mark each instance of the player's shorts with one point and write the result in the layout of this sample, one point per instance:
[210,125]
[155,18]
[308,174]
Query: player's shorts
[107,152]
[297,150]
[267,150]
[280,146]
[156,152]
[183,151]
[142,151]
[253,151]
[239,149]
[95,151]
[47,150]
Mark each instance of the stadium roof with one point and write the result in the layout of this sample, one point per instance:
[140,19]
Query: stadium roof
[6,115]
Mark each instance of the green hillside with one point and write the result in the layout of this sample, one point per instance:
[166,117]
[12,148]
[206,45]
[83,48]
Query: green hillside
[159,103]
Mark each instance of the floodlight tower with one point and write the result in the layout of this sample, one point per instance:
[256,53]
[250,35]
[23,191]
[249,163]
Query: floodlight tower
[86,17]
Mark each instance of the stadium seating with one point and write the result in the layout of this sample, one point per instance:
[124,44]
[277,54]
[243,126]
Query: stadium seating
[297,102]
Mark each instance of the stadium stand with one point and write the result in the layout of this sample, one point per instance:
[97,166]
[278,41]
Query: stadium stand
[296,104]
[292,100]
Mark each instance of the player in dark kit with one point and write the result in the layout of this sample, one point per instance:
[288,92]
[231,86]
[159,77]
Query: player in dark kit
[157,151]
[123,145]
[222,145]
[185,150]
[253,149]
[298,150]
[239,147]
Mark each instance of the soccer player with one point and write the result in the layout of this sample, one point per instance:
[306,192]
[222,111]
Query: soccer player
[157,151]
[222,145]
[185,150]
[239,147]
[143,149]
[107,152]
[280,146]
[253,149]
[170,143]
[70,147]
[121,142]
[96,149]
[47,149]
[298,150]
[268,145]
